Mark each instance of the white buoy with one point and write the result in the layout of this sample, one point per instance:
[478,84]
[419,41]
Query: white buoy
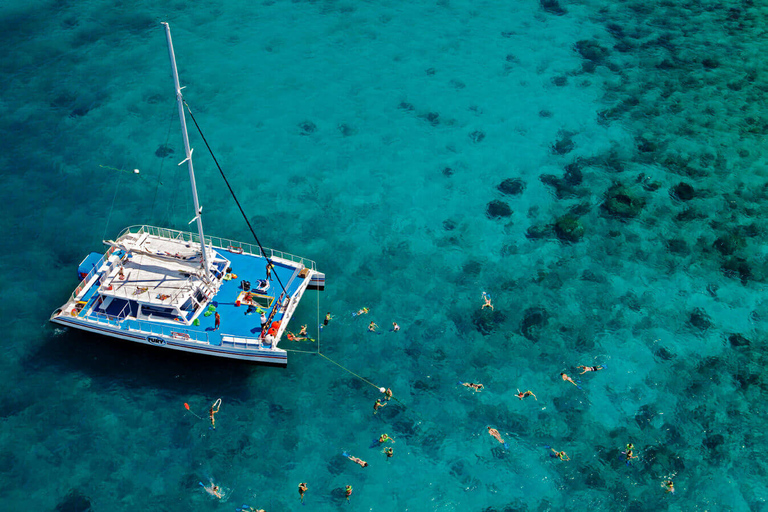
[135,171]
[383,390]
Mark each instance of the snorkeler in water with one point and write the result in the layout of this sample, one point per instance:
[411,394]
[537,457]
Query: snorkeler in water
[348,491]
[496,435]
[357,460]
[476,387]
[668,486]
[560,455]
[521,394]
[389,451]
[302,489]
[568,379]
[585,369]
[383,438]
[362,311]
[372,327]
[214,410]
[629,453]
[378,405]
[487,301]
[212,489]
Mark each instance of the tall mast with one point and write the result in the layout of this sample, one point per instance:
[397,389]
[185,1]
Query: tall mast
[187,150]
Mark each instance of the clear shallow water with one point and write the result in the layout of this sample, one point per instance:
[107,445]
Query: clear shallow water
[420,110]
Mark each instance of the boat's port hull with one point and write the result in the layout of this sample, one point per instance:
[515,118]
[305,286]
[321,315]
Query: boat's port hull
[267,357]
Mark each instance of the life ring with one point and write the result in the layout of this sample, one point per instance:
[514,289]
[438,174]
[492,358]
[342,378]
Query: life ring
[74,311]
[235,250]
[180,335]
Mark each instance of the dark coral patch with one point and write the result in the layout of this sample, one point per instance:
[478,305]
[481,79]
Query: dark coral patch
[497,209]
[511,186]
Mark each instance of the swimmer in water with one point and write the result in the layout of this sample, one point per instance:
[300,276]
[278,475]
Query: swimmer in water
[395,327]
[560,455]
[629,453]
[585,369]
[293,337]
[476,387]
[357,460]
[372,327]
[213,490]
[387,394]
[348,491]
[487,299]
[303,331]
[302,489]
[361,312]
[389,451]
[384,438]
[378,405]
[568,379]
[668,486]
[214,410]
[328,318]
[522,395]
[495,434]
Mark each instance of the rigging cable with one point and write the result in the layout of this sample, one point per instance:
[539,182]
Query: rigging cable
[263,252]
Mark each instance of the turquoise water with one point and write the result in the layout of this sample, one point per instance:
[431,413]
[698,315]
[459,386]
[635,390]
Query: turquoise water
[372,137]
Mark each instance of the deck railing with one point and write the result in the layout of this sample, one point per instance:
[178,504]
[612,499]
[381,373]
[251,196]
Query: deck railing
[219,243]
[84,282]
[167,330]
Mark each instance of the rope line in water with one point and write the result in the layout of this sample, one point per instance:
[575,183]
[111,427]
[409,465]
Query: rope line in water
[232,192]
[348,370]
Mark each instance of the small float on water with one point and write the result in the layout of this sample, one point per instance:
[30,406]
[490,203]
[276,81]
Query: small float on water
[184,291]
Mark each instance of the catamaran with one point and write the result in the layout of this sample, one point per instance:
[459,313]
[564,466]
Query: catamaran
[190,292]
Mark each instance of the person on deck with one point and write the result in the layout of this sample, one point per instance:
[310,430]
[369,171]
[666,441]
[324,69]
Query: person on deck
[217,322]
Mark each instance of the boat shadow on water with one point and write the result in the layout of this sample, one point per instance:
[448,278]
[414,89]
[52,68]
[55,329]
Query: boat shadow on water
[119,362]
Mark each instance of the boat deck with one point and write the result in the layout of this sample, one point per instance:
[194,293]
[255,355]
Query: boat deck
[135,305]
